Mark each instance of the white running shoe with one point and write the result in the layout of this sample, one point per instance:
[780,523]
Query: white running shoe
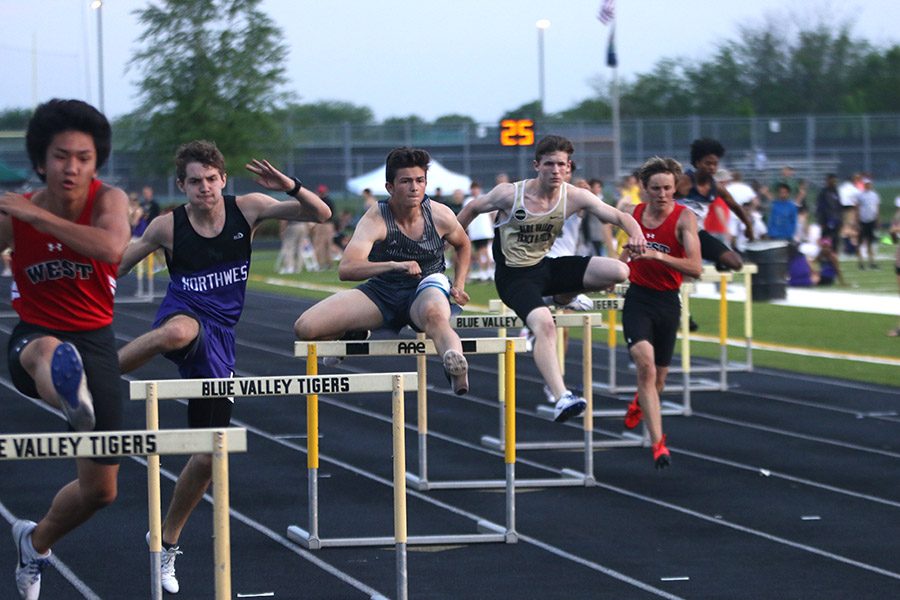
[580,303]
[529,339]
[456,368]
[70,383]
[167,567]
[568,406]
[30,563]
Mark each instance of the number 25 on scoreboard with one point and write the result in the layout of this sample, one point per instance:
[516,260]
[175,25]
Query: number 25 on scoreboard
[516,132]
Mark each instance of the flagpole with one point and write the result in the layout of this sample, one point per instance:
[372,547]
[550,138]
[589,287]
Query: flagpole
[616,125]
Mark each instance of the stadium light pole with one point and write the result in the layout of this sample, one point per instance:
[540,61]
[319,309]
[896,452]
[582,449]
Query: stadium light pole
[541,25]
[97,5]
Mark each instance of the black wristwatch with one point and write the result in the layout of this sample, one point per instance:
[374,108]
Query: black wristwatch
[297,185]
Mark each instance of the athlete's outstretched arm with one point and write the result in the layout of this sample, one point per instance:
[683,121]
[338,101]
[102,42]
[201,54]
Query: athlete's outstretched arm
[303,206]
[157,235]
[583,199]
[103,239]
[500,198]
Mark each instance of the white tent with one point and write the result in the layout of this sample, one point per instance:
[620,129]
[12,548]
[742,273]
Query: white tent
[438,177]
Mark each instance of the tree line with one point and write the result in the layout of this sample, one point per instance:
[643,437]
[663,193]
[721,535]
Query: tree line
[214,69]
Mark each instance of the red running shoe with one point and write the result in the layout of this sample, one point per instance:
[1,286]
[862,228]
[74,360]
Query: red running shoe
[661,455]
[634,414]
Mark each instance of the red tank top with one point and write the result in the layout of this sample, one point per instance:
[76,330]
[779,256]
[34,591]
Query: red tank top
[56,287]
[652,273]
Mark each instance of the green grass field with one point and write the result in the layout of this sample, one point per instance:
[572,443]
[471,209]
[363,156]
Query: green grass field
[799,329]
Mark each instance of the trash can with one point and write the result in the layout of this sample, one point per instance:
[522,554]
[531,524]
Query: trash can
[771,258]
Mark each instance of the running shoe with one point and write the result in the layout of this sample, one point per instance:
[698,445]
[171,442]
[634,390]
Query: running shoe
[456,368]
[30,563]
[634,414]
[167,567]
[529,339]
[661,457]
[70,383]
[580,303]
[568,406]
[359,335]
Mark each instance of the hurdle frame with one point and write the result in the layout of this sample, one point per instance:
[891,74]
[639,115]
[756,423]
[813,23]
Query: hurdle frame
[489,532]
[569,477]
[143,270]
[217,441]
[710,274]
[293,385]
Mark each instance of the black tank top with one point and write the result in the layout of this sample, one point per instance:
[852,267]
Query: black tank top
[210,274]
[396,246]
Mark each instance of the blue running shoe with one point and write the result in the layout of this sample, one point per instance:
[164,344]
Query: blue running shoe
[67,372]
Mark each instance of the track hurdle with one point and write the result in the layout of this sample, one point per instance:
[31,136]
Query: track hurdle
[152,444]
[144,271]
[570,477]
[688,384]
[611,305]
[722,278]
[311,387]
[505,348]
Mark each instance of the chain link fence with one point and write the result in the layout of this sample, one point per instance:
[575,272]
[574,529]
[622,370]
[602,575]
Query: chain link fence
[759,146]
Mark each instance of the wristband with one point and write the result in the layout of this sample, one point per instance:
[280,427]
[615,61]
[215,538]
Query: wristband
[297,185]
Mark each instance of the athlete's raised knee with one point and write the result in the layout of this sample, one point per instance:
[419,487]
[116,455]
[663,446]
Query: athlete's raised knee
[178,334]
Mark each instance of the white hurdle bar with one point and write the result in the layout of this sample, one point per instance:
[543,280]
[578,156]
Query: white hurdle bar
[421,348]
[311,387]
[152,444]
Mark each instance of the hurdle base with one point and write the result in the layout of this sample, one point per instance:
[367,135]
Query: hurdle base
[492,484]
[417,483]
[667,409]
[487,527]
[696,385]
[493,534]
[494,443]
[641,439]
[587,480]
[302,537]
[731,367]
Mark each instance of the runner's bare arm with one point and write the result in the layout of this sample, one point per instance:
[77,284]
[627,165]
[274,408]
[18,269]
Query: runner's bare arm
[303,206]
[500,198]
[454,234]
[355,264]
[157,235]
[103,239]
[579,198]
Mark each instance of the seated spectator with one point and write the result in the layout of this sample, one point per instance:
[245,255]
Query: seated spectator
[800,271]
[829,265]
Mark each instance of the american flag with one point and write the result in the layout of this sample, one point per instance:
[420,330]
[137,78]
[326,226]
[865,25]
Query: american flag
[607,11]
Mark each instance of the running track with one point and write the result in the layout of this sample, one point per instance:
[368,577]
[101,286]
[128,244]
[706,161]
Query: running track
[785,486]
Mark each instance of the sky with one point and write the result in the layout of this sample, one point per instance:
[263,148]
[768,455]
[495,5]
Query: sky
[427,58]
